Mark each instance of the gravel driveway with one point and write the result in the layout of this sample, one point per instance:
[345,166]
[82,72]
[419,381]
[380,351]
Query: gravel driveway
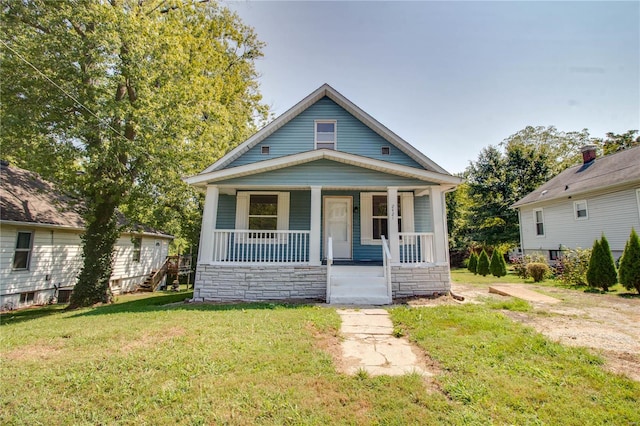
[609,324]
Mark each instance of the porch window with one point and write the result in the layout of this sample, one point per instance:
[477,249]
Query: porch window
[538,220]
[263,212]
[379,216]
[22,255]
[373,216]
[325,134]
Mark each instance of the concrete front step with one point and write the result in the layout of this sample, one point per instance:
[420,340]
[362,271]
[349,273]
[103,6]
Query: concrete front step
[358,290]
[357,271]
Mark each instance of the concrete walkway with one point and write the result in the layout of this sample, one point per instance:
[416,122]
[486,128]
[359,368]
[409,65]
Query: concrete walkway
[369,345]
[522,293]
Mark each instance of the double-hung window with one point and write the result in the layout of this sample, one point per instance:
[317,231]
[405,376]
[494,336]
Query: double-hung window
[374,216]
[137,247]
[538,220]
[325,134]
[580,210]
[379,216]
[262,212]
[22,255]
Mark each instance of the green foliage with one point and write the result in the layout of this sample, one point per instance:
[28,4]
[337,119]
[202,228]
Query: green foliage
[520,264]
[511,304]
[483,264]
[473,263]
[498,266]
[162,92]
[618,142]
[572,267]
[629,271]
[538,271]
[601,272]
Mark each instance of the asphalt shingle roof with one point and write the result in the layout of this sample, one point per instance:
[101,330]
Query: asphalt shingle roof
[604,172]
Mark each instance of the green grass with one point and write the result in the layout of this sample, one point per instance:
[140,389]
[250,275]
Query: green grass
[141,361]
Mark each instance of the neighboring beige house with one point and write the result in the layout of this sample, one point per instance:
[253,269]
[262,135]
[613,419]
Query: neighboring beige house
[599,196]
[40,246]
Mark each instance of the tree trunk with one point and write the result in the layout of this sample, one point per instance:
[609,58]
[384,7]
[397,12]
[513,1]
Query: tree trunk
[97,252]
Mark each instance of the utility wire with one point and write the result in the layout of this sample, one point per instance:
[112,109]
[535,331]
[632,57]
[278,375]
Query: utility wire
[69,95]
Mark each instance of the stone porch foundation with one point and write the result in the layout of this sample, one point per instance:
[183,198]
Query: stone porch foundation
[277,282]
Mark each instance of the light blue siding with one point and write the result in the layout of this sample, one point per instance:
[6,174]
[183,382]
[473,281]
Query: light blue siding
[226,212]
[324,172]
[298,136]
[422,214]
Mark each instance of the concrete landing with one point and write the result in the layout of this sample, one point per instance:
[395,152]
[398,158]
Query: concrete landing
[369,345]
[522,293]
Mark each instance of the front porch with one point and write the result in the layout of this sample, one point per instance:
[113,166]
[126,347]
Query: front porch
[312,234]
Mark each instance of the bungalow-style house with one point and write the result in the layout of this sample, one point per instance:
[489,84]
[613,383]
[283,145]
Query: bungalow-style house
[324,202]
[572,210]
[40,246]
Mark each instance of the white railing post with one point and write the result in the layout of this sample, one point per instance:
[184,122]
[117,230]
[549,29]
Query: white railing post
[392,223]
[386,266]
[329,262]
[417,247]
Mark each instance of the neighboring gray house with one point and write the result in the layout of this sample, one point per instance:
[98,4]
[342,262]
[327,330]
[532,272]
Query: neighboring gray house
[600,196]
[324,202]
[40,246]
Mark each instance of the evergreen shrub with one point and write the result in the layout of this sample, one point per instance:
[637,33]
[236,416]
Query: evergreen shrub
[473,263]
[497,266]
[630,263]
[483,264]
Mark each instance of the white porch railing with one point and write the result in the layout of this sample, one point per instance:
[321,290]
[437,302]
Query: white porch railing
[329,263]
[386,265]
[416,247]
[233,245]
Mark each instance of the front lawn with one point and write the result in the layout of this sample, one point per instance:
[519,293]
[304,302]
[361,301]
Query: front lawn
[142,362]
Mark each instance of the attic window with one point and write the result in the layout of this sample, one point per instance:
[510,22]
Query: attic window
[325,132]
[385,150]
[265,150]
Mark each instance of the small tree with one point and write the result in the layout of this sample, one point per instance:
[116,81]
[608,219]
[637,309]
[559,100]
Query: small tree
[473,263]
[573,265]
[602,269]
[483,264]
[630,263]
[498,266]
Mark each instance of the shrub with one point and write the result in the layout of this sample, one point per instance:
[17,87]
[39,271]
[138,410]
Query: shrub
[520,264]
[572,267]
[473,263]
[498,266]
[602,269]
[483,264]
[630,263]
[538,271]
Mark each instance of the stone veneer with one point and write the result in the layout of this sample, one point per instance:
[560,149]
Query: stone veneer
[276,282]
[265,282]
[410,281]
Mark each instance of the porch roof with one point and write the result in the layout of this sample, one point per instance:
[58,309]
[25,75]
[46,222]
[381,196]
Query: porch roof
[403,175]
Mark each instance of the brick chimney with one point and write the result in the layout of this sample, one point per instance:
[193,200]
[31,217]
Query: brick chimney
[588,153]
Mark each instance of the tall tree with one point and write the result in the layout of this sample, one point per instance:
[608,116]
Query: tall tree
[131,95]
[617,142]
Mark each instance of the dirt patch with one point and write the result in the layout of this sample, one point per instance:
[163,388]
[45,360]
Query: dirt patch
[36,352]
[608,324]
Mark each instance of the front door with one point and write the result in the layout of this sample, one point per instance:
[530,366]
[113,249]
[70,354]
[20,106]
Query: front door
[337,225]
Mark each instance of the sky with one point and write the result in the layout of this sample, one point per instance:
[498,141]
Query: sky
[451,78]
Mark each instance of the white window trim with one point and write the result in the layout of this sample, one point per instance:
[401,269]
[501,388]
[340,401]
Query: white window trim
[535,223]
[575,209]
[29,250]
[134,251]
[335,133]
[242,215]
[366,216]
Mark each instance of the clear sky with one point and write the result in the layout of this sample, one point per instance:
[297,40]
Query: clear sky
[453,77]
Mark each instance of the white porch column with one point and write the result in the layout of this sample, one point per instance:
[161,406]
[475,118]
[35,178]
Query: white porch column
[315,238]
[209,218]
[441,245]
[392,223]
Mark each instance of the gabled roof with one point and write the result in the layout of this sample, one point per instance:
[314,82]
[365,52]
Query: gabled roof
[606,172]
[322,154]
[331,93]
[27,199]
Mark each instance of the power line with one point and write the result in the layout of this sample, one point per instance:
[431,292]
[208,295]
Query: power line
[69,95]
